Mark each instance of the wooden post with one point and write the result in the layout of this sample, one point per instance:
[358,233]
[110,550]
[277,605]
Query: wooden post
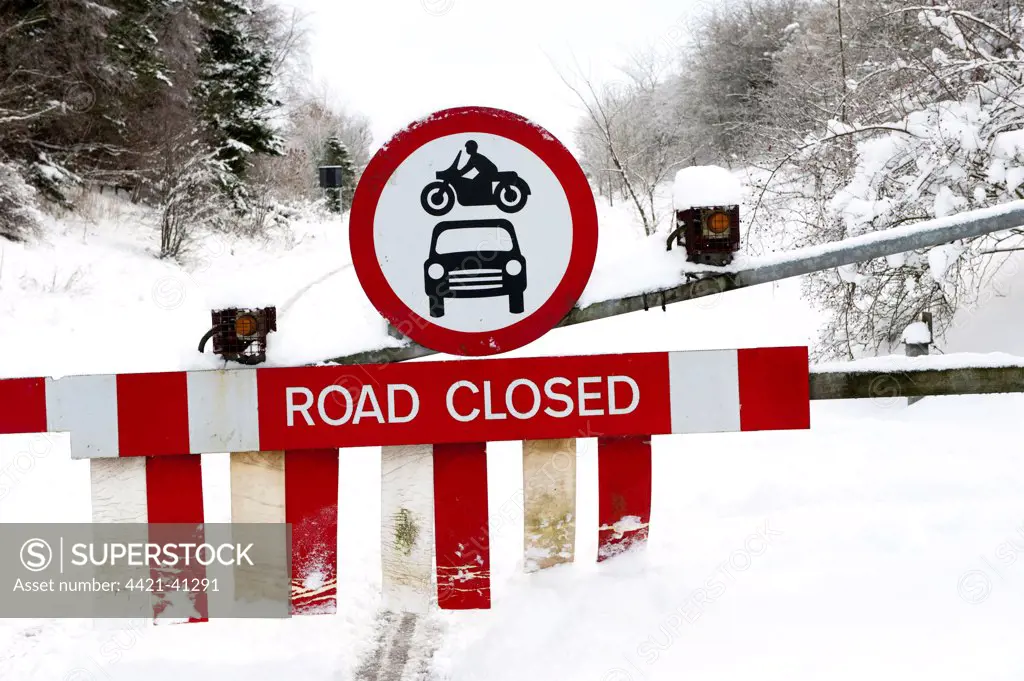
[407,528]
[257,496]
[917,349]
[174,494]
[301,488]
[119,495]
[160,490]
[549,503]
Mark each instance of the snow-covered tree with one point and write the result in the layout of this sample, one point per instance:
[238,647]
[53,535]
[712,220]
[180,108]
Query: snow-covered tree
[336,154]
[954,143]
[234,84]
[629,144]
[311,119]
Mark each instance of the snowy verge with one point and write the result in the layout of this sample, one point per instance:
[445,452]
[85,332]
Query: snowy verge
[901,363]
[93,298]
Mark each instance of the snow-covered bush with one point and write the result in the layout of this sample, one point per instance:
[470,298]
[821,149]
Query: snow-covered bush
[951,158]
[190,196]
[263,213]
[960,147]
[19,219]
[257,204]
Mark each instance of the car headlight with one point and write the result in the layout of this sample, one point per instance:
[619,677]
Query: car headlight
[513,267]
[435,271]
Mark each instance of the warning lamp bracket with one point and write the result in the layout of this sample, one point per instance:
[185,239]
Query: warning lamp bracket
[703,249]
[248,349]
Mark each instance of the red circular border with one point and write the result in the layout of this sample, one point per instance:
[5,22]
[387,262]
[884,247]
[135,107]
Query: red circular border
[582,209]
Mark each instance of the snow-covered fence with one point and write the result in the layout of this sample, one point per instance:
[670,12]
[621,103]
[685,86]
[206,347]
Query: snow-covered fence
[928,375]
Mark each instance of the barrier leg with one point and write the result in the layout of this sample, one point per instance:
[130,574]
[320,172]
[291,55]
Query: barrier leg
[407,528]
[257,496]
[118,495]
[461,526]
[624,494]
[311,506]
[174,491]
[549,503]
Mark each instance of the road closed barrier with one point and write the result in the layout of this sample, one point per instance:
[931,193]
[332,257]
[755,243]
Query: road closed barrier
[201,412]
[286,426]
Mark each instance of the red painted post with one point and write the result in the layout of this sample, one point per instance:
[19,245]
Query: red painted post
[311,506]
[624,493]
[174,495]
[461,526]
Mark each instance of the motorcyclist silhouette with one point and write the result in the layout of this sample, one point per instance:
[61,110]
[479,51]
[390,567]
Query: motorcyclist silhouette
[487,187]
[484,166]
[479,185]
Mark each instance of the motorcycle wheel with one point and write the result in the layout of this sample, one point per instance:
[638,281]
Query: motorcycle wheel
[511,196]
[437,198]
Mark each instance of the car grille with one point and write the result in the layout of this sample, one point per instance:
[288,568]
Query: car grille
[474,280]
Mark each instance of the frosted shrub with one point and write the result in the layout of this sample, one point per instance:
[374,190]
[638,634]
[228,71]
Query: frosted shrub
[19,219]
[955,144]
[189,198]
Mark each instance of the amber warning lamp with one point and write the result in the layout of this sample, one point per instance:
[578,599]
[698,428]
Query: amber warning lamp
[707,215]
[240,335]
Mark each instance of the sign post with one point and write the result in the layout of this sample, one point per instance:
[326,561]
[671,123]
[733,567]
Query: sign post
[474,232]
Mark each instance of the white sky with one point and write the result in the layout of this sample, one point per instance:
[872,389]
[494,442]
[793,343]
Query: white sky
[399,60]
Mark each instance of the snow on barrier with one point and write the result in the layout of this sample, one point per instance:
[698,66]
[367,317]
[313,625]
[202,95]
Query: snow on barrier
[433,419]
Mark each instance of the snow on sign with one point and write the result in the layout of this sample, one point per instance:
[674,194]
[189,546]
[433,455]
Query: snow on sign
[273,409]
[473,231]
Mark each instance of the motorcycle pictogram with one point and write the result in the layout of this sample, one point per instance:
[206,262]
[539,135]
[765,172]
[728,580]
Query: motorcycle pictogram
[490,187]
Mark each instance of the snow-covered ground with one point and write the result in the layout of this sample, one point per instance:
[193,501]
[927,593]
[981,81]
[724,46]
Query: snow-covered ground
[883,542]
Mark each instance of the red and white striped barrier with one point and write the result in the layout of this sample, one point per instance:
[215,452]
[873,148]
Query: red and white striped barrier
[200,412]
[433,419]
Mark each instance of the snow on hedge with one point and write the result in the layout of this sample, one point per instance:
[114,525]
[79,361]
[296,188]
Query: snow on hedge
[698,186]
[901,363]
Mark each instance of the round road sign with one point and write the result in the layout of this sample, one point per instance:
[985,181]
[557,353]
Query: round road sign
[473,231]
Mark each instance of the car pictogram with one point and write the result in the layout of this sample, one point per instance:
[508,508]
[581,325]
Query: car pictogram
[474,259]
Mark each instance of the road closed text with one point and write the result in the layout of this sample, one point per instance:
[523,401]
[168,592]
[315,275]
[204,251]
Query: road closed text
[464,401]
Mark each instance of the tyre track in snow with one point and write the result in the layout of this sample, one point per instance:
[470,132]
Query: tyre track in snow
[404,646]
